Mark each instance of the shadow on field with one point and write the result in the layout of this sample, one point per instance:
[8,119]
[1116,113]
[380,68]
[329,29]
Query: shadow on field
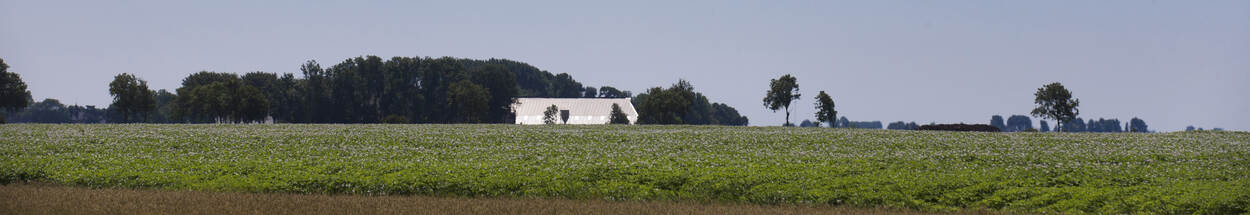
[55,199]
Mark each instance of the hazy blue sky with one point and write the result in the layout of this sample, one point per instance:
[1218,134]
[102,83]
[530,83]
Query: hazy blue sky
[1172,63]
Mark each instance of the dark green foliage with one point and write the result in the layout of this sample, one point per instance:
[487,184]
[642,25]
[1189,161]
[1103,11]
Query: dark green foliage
[219,97]
[825,109]
[845,123]
[997,122]
[612,92]
[549,115]
[131,96]
[1074,125]
[1018,123]
[726,115]
[502,90]
[680,104]
[664,106]
[87,114]
[532,81]
[46,111]
[164,107]
[590,92]
[900,125]
[781,92]
[469,100]
[285,100]
[617,116]
[1104,125]
[1056,102]
[1045,126]
[364,89]
[1138,125]
[563,86]
[13,93]
[436,78]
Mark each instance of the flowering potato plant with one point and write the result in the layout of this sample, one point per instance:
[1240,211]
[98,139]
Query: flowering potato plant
[1183,172]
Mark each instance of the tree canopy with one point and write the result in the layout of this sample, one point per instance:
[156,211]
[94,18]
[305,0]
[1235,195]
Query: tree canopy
[781,92]
[824,109]
[13,92]
[1056,102]
[680,104]
[131,96]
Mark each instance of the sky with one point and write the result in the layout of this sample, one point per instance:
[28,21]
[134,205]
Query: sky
[1171,63]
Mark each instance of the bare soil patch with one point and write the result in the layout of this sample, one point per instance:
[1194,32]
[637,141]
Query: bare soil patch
[55,199]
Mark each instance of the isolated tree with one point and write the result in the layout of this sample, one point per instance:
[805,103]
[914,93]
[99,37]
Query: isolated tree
[469,100]
[1055,102]
[824,109]
[13,93]
[997,122]
[617,116]
[780,93]
[549,115]
[1138,125]
[131,95]
[1045,126]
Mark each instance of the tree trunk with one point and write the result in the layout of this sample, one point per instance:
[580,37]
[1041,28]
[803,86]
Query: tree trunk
[787,116]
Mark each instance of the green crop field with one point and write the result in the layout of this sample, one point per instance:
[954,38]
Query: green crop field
[1183,172]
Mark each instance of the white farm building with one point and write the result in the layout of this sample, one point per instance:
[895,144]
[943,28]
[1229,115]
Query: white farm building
[581,111]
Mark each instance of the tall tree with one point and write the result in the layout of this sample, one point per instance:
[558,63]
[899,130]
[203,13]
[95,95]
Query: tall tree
[13,93]
[469,100]
[565,87]
[131,96]
[437,75]
[1138,125]
[781,92]
[617,116]
[1056,102]
[316,92]
[824,109]
[665,106]
[402,97]
[164,107]
[502,87]
[997,122]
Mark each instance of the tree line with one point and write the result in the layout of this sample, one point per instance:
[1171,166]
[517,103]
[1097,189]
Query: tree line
[1052,101]
[366,89]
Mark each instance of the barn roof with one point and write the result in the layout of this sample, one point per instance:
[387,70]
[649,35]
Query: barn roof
[589,110]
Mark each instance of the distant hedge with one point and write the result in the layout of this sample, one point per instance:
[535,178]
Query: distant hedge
[959,127]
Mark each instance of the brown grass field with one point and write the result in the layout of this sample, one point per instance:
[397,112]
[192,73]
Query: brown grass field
[55,199]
